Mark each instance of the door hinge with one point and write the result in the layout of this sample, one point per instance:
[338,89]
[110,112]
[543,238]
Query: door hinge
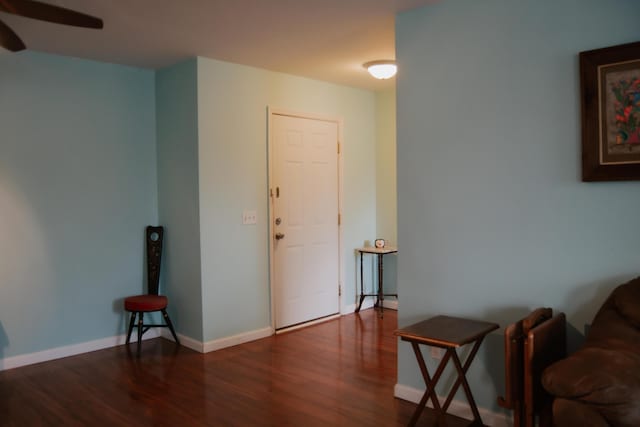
[338,147]
[339,290]
[339,219]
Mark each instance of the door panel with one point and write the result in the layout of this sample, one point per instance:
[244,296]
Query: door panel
[305,179]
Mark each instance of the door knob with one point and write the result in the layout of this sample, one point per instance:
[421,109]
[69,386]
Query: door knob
[279,236]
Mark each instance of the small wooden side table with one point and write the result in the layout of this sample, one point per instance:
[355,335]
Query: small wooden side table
[448,333]
[380,252]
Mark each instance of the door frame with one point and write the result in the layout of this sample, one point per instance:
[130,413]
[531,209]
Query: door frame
[271,111]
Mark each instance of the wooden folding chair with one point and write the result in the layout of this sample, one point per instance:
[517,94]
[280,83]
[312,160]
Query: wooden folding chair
[531,344]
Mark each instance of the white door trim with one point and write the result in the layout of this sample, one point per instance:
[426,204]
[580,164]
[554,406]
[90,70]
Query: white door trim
[271,111]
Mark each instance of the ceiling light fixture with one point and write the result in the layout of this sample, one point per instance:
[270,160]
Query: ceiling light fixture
[383,69]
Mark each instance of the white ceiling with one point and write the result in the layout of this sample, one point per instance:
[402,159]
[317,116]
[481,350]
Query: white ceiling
[321,39]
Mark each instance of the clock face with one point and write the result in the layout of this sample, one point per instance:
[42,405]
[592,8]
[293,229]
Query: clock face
[380,243]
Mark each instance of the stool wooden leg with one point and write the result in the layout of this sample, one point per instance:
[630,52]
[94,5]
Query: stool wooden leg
[170,325]
[140,326]
[131,323]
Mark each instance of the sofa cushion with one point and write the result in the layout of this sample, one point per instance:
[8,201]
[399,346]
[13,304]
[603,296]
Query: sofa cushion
[573,413]
[606,379]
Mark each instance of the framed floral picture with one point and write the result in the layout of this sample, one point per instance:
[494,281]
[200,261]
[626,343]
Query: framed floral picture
[610,100]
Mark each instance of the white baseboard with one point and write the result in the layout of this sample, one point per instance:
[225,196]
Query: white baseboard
[85,347]
[306,324]
[237,339]
[391,304]
[457,407]
[368,303]
[69,350]
[184,341]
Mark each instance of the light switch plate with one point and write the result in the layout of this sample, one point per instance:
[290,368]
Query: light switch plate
[249,217]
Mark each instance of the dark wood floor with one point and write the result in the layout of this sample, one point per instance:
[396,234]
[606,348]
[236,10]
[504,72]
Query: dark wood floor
[338,373]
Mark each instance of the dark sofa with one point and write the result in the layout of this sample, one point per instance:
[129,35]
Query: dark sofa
[599,385]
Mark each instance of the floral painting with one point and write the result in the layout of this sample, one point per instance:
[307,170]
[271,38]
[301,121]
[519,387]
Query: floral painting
[622,103]
[610,112]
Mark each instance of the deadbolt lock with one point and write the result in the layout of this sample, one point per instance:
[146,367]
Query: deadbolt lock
[278,221]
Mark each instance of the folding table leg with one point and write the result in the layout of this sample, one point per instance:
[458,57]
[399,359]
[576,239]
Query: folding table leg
[380,301]
[430,392]
[361,284]
[462,380]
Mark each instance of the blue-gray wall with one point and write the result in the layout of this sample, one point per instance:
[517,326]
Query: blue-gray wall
[77,188]
[232,113]
[91,153]
[493,219]
[386,183]
[178,207]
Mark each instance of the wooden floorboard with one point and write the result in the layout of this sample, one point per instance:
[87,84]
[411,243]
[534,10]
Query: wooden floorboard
[338,373]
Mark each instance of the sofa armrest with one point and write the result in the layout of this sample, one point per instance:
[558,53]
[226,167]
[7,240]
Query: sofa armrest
[605,380]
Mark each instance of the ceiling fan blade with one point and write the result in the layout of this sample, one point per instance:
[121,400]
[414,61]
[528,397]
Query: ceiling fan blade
[9,39]
[49,13]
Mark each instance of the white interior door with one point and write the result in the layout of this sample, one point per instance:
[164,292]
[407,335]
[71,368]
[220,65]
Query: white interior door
[305,219]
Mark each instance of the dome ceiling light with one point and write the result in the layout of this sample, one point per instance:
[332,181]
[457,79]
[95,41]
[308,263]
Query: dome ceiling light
[383,69]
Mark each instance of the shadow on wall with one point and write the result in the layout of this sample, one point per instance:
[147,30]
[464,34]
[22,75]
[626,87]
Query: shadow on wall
[390,274]
[492,351]
[581,306]
[118,307]
[491,354]
[4,343]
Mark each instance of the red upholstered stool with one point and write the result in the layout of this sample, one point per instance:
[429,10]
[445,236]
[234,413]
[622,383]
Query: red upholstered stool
[146,303]
[140,304]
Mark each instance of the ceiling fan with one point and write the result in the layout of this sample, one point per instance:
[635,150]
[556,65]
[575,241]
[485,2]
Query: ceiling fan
[43,12]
